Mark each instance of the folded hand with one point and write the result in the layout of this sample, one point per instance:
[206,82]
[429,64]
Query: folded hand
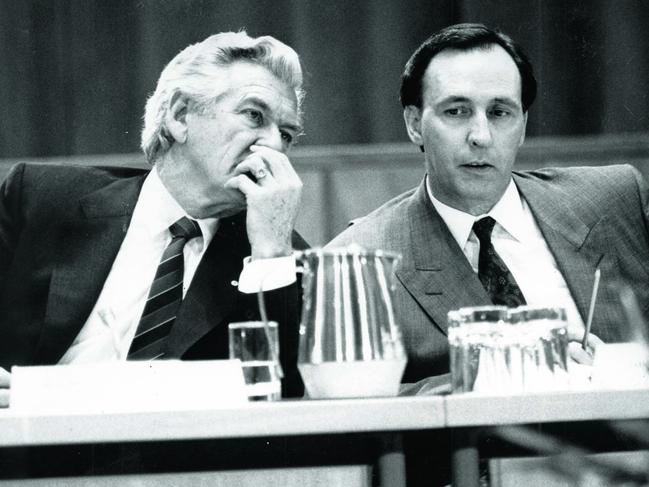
[272,200]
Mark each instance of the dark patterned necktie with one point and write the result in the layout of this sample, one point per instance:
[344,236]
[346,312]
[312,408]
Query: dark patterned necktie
[492,271]
[165,295]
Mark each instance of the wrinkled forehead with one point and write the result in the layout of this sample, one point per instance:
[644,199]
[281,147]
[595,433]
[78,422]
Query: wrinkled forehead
[254,84]
[246,78]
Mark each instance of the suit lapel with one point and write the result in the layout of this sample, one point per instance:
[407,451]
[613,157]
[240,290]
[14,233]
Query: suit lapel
[578,246]
[435,271]
[87,244]
[211,296]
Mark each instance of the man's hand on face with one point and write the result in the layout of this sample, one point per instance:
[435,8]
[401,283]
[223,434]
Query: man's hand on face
[5,379]
[272,200]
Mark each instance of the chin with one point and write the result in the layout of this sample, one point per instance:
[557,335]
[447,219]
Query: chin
[232,212]
[227,210]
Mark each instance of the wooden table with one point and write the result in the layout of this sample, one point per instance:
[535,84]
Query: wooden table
[380,420]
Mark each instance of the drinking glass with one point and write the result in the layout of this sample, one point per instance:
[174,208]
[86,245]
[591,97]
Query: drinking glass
[477,356]
[540,347]
[499,350]
[256,344]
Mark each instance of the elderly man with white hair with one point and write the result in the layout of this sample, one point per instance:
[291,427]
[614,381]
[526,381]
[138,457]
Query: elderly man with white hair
[108,264]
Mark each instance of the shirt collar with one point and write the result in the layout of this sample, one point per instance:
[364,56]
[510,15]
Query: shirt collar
[508,212]
[156,210]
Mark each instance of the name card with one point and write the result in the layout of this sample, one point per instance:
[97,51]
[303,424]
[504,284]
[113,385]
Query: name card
[157,385]
[621,366]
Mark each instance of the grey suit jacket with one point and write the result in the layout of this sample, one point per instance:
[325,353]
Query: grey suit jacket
[589,217]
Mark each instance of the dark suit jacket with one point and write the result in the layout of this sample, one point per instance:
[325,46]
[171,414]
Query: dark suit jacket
[60,230]
[589,217]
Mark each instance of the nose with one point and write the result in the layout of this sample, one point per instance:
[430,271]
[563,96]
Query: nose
[271,136]
[479,132]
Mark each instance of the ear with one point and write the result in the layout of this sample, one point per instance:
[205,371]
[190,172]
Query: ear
[520,142]
[176,117]
[412,117]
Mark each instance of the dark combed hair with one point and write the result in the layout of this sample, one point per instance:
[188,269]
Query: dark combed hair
[463,37]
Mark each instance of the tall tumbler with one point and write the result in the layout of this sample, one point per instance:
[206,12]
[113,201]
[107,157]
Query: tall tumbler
[477,355]
[502,351]
[350,340]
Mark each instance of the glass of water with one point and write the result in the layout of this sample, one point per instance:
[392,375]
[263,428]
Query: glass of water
[256,344]
[541,346]
[499,350]
[475,338]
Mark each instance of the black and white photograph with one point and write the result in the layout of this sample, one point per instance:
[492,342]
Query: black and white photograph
[281,243]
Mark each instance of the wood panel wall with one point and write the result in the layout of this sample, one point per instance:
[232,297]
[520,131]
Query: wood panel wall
[347,181]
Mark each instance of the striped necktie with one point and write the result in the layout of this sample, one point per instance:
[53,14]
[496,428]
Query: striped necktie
[495,276]
[165,295]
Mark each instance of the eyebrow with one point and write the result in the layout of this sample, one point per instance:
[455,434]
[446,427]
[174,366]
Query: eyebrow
[296,127]
[453,99]
[507,101]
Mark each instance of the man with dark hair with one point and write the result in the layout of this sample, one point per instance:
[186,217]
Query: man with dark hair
[477,233]
[463,37]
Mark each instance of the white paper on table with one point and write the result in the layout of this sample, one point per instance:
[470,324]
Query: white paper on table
[620,365]
[580,375]
[156,385]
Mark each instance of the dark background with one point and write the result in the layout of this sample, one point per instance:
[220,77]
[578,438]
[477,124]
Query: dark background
[75,73]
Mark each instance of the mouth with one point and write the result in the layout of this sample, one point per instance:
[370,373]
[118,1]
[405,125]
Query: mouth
[477,165]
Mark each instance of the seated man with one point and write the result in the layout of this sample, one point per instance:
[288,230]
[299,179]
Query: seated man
[104,264]
[477,233]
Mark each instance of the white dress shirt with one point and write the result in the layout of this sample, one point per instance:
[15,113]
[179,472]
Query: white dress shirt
[520,244]
[111,326]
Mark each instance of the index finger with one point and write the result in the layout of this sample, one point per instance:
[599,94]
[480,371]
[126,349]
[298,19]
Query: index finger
[593,342]
[579,355]
[277,161]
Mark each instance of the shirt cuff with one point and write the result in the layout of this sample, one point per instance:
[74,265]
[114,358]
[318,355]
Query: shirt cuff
[266,274]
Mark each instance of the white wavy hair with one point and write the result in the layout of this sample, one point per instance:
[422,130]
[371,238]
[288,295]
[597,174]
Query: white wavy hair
[194,70]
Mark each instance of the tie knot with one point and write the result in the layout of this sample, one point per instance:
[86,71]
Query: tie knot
[483,228]
[185,228]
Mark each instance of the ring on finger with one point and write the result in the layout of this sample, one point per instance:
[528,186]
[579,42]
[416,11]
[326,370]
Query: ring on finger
[261,174]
